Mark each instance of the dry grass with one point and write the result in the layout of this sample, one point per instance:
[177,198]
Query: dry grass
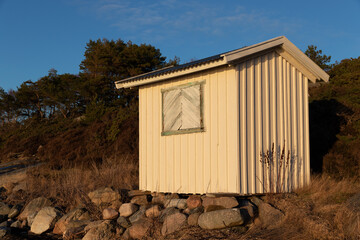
[68,187]
[317,211]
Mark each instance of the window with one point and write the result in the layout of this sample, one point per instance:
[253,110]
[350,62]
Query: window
[182,109]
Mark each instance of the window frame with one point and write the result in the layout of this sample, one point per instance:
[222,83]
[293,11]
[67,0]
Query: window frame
[188,130]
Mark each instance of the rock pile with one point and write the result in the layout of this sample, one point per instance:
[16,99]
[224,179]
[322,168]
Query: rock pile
[135,214]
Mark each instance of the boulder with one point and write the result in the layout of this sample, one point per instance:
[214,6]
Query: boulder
[33,207]
[128,209]
[133,193]
[74,228]
[189,211]
[167,212]
[109,214]
[139,229]
[194,201]
[104,196]
[178,203]
[77,224]
[73,215]
[193,219]
[158,198]
[256,201]
[101,230]
[153,212]
[221,219]
[140,200]
[94,224]
[173,223]
[269,216]
[30,218]
[73,233]
[4,208]
[226,202]
[210,208]
[251,209]
[45,220]
[123,222]
[140,214]
[14,211]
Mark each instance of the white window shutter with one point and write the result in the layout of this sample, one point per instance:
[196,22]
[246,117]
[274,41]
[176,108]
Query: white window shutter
[190,102]
[172,110]
[182,108]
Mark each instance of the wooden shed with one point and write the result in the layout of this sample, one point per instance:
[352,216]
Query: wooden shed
[236,122]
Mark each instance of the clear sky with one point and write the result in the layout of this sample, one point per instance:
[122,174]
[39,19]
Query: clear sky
[37,35]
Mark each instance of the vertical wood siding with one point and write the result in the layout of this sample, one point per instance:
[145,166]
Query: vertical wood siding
[247,109]
[194,162]
[273,110]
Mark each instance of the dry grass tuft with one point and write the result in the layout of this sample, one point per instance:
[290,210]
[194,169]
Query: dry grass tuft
[317,211]
[69,186]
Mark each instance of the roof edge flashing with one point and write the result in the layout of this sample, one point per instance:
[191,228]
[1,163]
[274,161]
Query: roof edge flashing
[246,51]
[305,60]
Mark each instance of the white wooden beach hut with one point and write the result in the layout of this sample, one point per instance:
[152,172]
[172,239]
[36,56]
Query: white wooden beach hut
[236,122]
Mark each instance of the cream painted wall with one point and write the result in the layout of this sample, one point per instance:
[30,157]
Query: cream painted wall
[247,107]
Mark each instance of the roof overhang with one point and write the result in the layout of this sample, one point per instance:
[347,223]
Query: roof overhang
[280,44]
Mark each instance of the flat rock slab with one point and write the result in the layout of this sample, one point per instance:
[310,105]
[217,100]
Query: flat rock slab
[221,219]
[226,202]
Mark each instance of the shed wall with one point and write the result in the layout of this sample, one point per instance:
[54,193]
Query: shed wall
[273,100]
[247,109]
[196,162]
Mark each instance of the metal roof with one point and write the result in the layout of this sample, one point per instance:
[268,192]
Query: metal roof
[230,57]
[173,68]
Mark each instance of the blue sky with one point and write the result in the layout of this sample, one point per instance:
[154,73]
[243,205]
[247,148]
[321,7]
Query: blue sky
[38,35]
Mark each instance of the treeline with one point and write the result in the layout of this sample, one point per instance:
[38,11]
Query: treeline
[68,95]
[82,117]
[69,119]
[335,121]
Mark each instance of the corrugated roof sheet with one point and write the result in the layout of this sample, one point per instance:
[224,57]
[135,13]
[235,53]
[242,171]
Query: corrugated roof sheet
[173,68]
